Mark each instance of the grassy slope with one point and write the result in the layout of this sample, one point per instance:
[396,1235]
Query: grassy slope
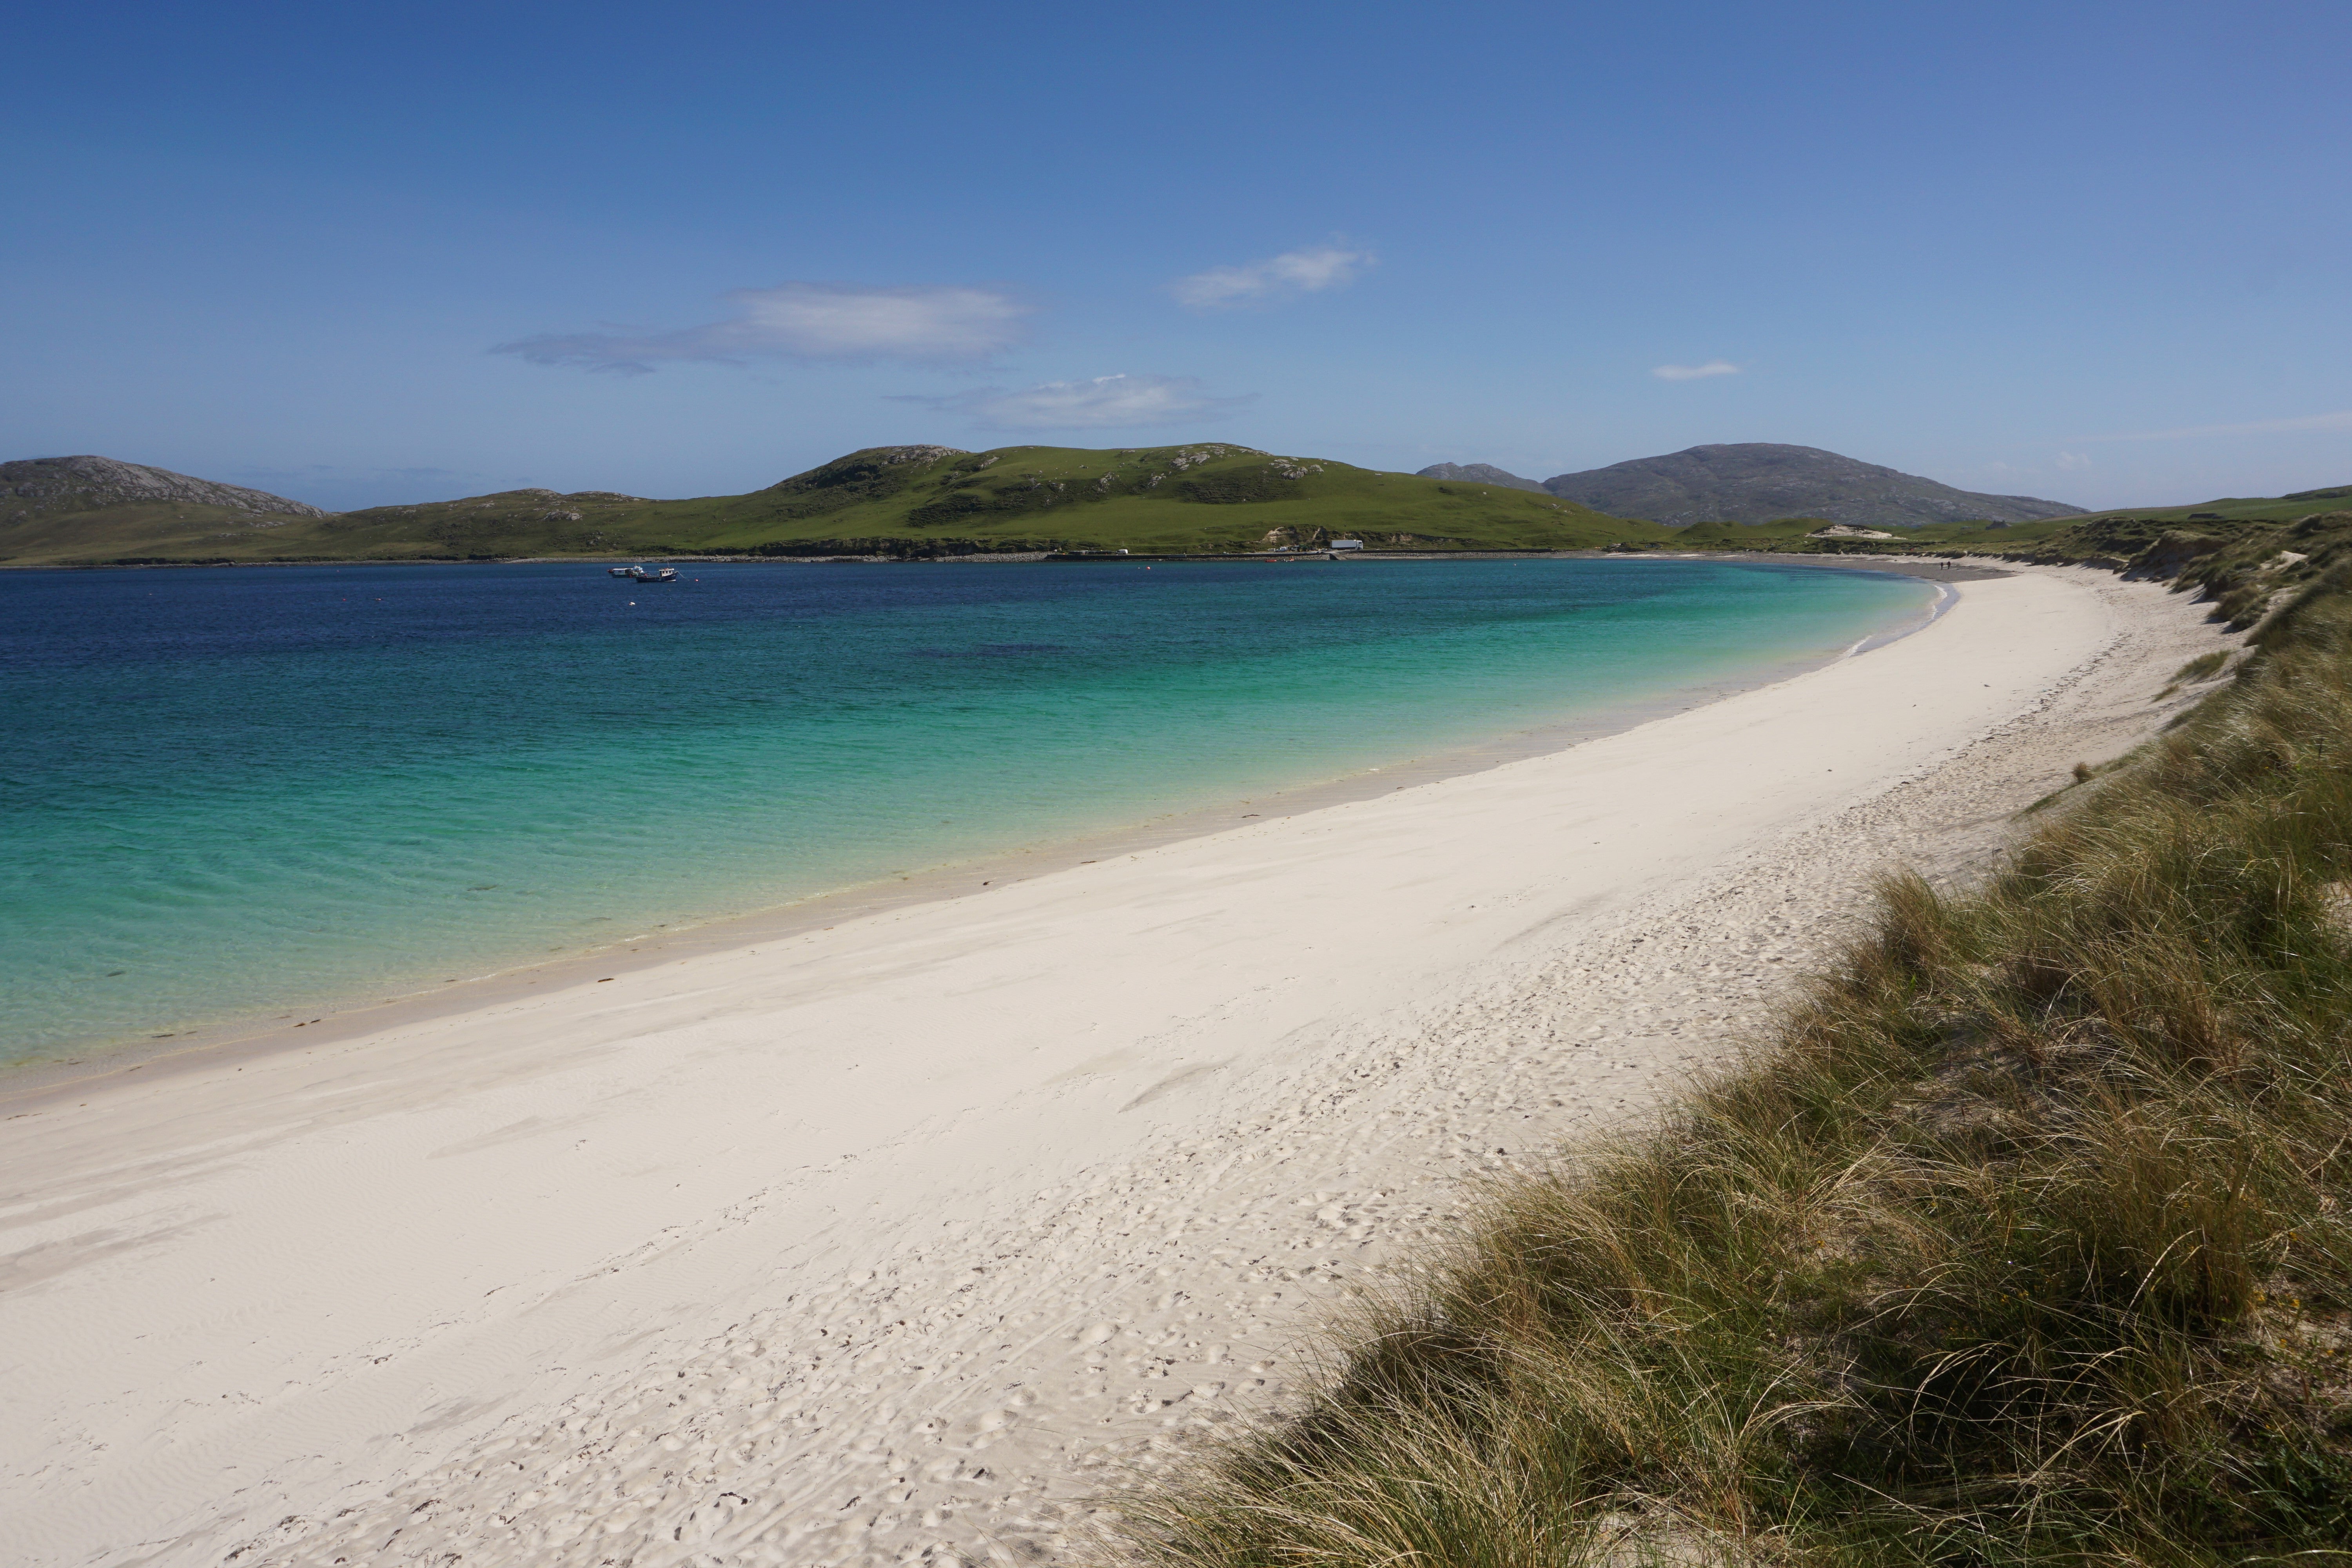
[1791,536]
[169,530]
[1177,498]
[2030,1240]
[2128,533]
[2106,536]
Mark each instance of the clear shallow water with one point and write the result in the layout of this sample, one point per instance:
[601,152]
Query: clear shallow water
[233,793]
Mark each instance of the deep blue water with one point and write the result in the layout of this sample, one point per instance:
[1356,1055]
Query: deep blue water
[234,792]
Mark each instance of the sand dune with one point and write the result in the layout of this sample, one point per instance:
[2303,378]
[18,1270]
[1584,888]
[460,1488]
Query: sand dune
[897,1240]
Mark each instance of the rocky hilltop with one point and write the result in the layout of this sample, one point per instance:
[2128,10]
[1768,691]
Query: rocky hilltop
[1759,481]
[1477,473]
[39,487]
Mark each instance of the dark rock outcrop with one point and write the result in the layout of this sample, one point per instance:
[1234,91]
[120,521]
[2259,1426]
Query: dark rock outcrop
[34,487]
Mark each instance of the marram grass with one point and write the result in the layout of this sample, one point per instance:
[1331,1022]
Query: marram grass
[2024,1241]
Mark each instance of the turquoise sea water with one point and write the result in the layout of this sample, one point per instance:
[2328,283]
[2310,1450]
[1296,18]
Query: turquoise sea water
[234,793]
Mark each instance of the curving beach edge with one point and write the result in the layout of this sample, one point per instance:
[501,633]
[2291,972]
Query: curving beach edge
[907,1237]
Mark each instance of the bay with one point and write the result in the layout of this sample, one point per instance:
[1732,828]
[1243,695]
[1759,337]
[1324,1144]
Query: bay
[230,793]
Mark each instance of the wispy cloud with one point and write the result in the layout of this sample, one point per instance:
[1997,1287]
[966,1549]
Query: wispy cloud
[2339,420]
[2073,462]
[1292,273]
[1101,403]
[844,322]
[1696,372]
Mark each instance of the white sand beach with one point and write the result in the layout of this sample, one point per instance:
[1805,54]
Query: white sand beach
[897,1240]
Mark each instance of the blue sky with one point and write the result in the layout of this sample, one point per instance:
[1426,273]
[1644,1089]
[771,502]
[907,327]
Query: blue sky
[365,253]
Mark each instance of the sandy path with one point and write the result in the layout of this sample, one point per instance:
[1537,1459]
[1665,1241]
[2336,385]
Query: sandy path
[877,1243]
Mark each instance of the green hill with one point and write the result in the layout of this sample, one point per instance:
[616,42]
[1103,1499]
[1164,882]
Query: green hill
[33,487]
[896,500]
[2148,538]
[2119,535]
[2124,531]
[2229,509]
[919,501]
[72,508]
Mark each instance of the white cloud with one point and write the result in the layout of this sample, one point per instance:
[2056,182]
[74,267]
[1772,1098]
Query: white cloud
[2073,462]
[1696,372]
[808,321]
[2339,420]
[1294,272]
[1102,403]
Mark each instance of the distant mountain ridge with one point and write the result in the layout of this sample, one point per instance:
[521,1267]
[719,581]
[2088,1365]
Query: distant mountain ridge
[36,487]
[1477,473]
[896,502]
[1760,481]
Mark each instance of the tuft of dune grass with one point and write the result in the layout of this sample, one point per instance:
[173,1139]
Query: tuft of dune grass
[2204,667]
[2025,1240]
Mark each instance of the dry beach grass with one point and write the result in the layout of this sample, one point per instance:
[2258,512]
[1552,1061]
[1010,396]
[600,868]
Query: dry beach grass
[2023,1238]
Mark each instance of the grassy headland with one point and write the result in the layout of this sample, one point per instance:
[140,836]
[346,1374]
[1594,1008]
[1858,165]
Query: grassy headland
[2241,526]
[146,530]
[891,501]
[914,503]
[2027,1240]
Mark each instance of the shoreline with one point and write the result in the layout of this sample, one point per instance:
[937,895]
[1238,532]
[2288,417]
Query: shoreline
[1939,568]
[198,1047]
[899,1241]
